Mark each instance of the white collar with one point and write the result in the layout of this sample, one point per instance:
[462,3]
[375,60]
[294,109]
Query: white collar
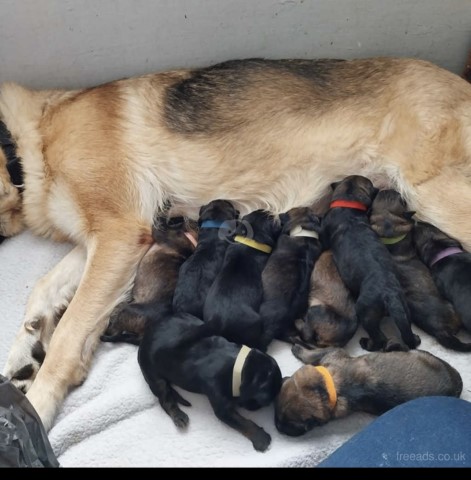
[301,232]
[237,371]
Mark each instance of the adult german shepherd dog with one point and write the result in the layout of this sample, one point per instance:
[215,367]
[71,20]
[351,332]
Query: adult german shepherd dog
[98,164]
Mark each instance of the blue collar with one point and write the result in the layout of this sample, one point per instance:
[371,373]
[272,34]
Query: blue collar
[214,224]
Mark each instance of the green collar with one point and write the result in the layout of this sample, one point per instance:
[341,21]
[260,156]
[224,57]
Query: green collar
[393,240]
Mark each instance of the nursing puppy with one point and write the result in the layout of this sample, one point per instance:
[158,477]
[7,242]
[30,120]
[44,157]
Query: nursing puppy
[286,276]
[365,265]
[233,302]
[197,274]
[449,265]
[331,320]
[391,220]
[180,349]
[156,277]
[334,385]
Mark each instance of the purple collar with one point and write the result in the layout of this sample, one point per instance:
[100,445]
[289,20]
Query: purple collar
[445,253]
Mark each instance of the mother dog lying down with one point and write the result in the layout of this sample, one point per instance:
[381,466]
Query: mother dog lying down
[99,163]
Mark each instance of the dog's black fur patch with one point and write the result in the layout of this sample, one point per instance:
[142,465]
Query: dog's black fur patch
[287,274]
[233,301]
[198,272]
[209,99]
[428,309]
[181,349]
[38,352]
[24,373]
[452,274]
[365,265]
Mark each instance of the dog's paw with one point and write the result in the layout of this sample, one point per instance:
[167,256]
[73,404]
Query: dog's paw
[394,345]
[369,345]
[180,419]
[25,358]
[261,440]
[299,351]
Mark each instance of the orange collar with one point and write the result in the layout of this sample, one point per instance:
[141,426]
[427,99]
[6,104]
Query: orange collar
[348,204]
[329,385]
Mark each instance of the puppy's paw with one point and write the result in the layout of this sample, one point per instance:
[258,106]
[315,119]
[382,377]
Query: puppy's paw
[261,440]
[180,419]
[299,352]
[369,345]
[394,345]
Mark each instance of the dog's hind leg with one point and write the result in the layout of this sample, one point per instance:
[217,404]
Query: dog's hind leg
[113,257]
[46,305]
[314,356]
[370,315]
[225,411]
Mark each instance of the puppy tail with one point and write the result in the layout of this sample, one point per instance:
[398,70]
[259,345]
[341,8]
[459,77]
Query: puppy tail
[450,341]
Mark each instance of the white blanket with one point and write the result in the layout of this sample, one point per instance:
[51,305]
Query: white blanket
[114,420]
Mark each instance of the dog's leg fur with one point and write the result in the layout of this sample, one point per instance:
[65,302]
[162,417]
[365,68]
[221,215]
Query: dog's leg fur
[46,306]
[313,356]
[225,411]
[113,256]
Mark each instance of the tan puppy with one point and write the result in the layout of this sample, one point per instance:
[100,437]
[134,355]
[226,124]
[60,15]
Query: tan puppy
[99,164]
[331,319]
[333,385]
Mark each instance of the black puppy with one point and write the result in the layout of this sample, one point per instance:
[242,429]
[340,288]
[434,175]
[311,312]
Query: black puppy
[365,265]
[180,349]
[449,265]
[233,302]
[391,220]
[156,277]
[197,274]
[286,276]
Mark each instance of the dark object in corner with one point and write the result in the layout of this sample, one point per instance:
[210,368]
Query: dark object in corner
[467,69]
[23,440]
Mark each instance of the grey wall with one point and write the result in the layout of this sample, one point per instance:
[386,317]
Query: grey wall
[70,43]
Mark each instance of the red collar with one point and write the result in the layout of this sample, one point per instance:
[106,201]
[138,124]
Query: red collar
[348,204]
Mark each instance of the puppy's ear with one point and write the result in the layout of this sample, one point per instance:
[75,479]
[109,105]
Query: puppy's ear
[408,215]
[334,185]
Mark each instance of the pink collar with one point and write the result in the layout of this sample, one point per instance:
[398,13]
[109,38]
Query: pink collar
[445,253]
[191,238]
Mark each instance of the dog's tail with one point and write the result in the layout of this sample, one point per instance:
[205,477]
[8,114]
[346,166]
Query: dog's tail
[398,310]
[448,340]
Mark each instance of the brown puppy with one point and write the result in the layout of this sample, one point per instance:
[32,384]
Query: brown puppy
[391,220]
[156,278]
[371,383]
[331,319]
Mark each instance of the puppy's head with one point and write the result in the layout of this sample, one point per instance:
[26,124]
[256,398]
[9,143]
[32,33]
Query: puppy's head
[261,226]
[261,381]
[11,205]
[389,214]
[430,240]
[302,217]
[217,210]
[178,233]
[354,188]
[303,402]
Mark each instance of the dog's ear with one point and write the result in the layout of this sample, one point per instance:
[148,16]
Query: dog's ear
[408,215]
[334,185]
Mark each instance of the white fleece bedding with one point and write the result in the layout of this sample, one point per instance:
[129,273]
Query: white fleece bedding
[114,420]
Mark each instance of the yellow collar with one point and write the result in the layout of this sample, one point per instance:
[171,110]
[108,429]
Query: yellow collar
[237,370]
[393,240]
[263,247]
[329,385]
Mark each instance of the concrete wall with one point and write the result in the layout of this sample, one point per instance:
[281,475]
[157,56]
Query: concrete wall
[71,43]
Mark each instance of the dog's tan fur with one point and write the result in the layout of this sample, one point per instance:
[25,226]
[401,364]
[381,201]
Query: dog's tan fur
[100,162]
